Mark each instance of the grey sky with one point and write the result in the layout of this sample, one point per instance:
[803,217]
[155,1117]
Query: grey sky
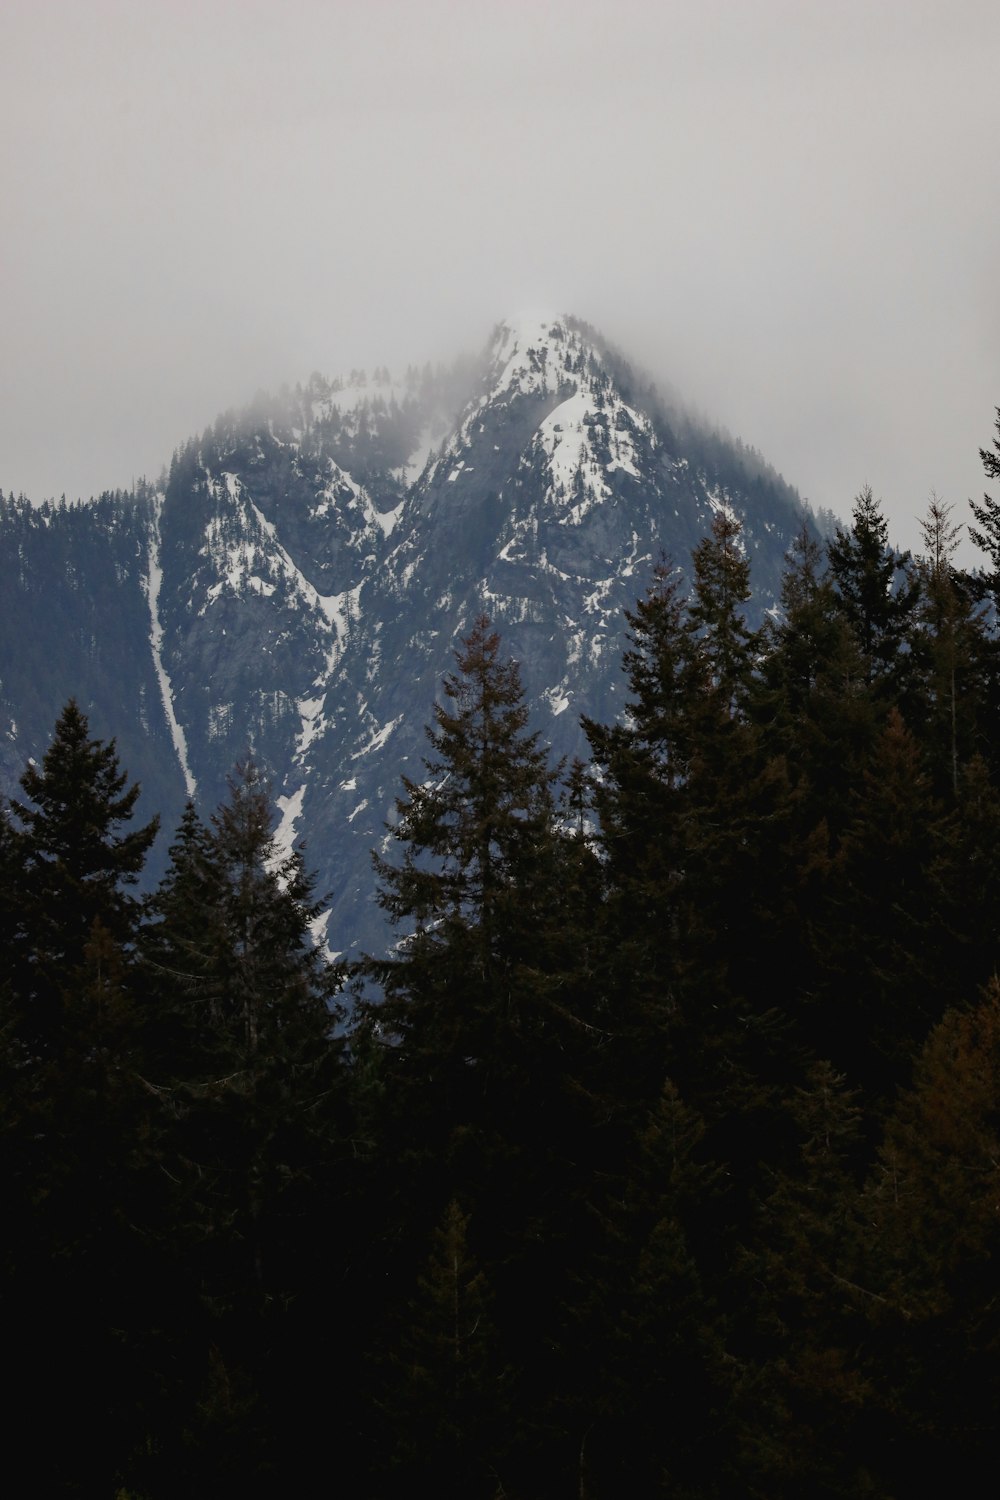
[788,209]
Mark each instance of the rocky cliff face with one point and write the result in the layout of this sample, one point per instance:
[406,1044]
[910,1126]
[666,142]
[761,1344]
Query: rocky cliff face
[296,587]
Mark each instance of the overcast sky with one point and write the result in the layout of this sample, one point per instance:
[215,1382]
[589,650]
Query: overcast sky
[787,209]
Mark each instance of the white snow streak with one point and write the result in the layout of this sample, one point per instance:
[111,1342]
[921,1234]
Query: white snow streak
[557,699]
[238,566]
[291,810]
[313,724]
[153,581]
[378,739]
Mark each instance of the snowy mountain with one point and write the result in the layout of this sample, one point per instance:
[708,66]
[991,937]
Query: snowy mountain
[296,586]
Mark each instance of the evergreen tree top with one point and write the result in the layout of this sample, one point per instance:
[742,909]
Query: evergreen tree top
[79,797]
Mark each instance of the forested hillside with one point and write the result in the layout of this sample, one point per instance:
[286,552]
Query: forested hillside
[659,1157]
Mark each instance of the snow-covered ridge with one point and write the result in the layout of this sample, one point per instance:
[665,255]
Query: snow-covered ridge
[250,559]
[570,437]
[343,492]
[589,435]
[535,353]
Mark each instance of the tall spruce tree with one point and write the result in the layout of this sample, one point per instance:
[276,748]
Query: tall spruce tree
[726,646]
[880,946]
[694,819]
[240,1018]
[77,1125]
[643,766]
[186,961]
[462,994]
[664,1428]
[78,867]
[863,567]
[950,649]
[732,1047]
[248,1034]
[444,1417]
[481,1048]
[809,697]
[986,533]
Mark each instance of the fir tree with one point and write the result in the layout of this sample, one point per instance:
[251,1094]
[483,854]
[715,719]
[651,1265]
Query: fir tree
[863,567]
[809,697]
[251,1038]
[445,1417]
[240,1015]
[642,768]
[664,1429]
[77,868]
[950,649]
[482,1049]
[479,839]
[727,648]
[986,533]
[185,956]
[78,1127]
[880,943]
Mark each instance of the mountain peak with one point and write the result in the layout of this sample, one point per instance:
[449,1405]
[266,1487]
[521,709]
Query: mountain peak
[536,353]
[528,327]
[297,592]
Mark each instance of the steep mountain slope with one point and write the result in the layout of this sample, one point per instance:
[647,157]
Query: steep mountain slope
[295,589]
[75,622]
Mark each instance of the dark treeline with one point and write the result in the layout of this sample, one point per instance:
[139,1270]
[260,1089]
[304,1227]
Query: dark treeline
[661,1156]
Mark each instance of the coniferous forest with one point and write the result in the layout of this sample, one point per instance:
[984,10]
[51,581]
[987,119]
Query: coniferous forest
[658,1156]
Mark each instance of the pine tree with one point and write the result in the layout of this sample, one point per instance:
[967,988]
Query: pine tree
[77,869]
[78,1128]
[694,821]
[664,1428]
[447,1431]
[734,1042]
[186,962]
[643,766]
[250,1010]
[239,1019]
[950,648]
[986,533]
[880,944]
[479,847]
[863,567]
[727,648]
[66,905]
[809,697]
[482,1049]
[280,985]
